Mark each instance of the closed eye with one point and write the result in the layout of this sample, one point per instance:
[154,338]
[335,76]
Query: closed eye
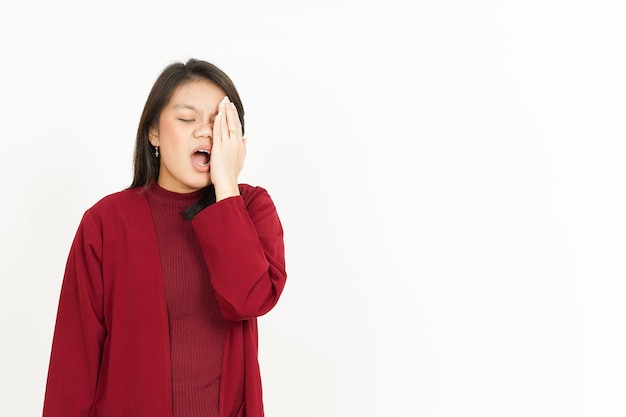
[186,120]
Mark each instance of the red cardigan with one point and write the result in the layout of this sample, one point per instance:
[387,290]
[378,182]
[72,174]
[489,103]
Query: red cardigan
[110,353]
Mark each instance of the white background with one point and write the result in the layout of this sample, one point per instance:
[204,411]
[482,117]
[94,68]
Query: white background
[449,175]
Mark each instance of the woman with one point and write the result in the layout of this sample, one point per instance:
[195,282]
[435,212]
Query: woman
[164,280]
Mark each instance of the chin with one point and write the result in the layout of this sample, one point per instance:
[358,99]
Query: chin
[198,185]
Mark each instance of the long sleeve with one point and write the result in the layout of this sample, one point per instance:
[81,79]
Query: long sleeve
[80,331]
[242,244]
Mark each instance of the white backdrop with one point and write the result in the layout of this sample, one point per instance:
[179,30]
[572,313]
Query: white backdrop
[449,176]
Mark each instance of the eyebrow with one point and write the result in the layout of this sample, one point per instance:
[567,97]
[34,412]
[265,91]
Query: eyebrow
[192,108]
[184,106]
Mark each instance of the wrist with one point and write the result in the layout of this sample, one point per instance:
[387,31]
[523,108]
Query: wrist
[223,192]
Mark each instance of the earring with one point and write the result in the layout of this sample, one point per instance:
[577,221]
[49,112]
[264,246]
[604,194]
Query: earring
[156,151]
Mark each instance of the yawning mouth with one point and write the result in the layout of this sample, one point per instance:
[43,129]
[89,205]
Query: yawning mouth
[201,157]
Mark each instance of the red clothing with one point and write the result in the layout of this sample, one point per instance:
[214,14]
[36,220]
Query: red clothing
[110,353]
[196,325]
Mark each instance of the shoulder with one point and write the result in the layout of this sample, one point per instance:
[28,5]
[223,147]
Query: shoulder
[258,202]
[116,203]
[255,195]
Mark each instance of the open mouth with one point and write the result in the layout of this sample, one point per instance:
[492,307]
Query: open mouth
[201,157]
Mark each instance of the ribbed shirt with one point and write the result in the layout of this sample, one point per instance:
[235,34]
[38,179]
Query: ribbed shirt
[196,325]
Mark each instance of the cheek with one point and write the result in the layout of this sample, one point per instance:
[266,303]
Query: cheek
[172,137]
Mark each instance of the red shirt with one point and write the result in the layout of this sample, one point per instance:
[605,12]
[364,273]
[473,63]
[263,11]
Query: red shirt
[196,325]
[111,348]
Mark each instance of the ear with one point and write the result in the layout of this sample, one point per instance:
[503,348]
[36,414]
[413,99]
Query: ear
[153,136]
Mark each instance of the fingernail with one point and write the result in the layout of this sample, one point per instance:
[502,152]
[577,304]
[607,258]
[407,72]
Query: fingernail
[225,99]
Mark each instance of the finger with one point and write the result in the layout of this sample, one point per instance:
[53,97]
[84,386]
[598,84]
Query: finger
[232,117]
[223,125]
[217,130]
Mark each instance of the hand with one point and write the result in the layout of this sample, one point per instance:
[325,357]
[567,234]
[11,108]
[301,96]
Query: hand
[228,151]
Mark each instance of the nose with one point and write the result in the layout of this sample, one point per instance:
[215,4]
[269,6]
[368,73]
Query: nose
[204,130]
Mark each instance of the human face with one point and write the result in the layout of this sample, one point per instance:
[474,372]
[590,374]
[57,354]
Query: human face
[185,136]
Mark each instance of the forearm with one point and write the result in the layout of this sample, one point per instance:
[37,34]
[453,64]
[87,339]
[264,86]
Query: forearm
[245,257]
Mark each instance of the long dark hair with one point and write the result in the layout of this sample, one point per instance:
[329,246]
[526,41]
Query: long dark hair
[146,164]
